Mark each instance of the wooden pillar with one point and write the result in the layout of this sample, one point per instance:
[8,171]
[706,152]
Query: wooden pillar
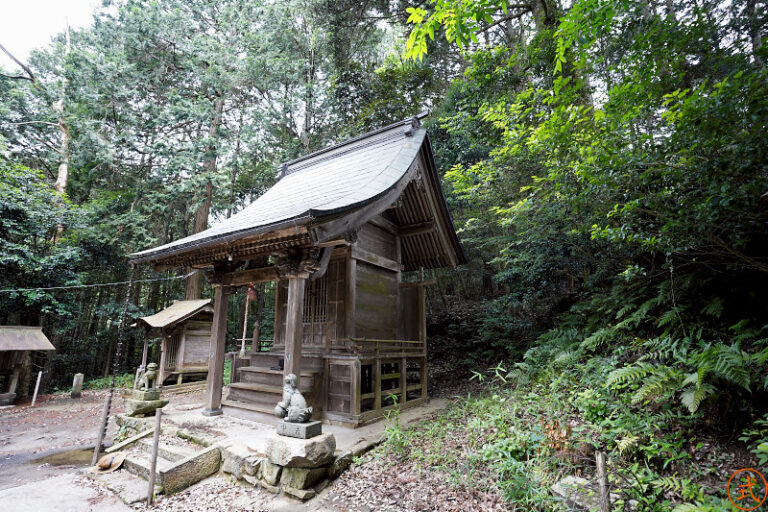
[294,323]
[145,352]
[217,352]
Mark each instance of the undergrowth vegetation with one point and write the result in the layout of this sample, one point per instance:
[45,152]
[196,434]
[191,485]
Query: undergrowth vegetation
[524,432]
[609,169]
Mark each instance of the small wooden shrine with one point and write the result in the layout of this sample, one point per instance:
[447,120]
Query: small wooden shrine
[346,233]
[16,343]
[185,330]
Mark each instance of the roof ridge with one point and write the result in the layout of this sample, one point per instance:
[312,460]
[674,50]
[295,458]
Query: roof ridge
[415,122]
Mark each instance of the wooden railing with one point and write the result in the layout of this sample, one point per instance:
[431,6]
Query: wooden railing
[365,346]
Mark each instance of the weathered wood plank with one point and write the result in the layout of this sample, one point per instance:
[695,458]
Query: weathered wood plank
[374,259]
[243,277]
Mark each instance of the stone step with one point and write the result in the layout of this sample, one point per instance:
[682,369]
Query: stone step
[129,487]
[139,465]
[175,476]
[164,450]
[266,375]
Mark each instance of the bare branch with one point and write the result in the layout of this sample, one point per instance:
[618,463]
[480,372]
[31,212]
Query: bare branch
[23,66]
[34,122]
[525,9]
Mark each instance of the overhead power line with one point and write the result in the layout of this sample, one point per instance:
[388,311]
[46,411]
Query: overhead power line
[95,285]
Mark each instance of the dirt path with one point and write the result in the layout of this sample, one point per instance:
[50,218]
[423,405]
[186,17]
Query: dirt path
[56,436]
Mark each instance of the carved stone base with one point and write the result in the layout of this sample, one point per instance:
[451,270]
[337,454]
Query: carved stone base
[300,430]
[151,394]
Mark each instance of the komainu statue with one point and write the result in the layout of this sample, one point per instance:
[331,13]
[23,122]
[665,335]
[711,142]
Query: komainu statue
[293,407]
[148,380]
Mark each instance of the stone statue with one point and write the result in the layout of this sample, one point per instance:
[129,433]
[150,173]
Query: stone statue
[293,407]
[148,379]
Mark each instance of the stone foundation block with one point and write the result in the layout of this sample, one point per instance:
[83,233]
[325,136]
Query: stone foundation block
[302,494]
[136,407]
[270,473]
[252,465]
[300,453]
[145,396]
[341,463]
[302,478]
[270,488]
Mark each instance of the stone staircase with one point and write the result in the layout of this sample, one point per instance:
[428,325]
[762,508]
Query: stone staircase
[259,386]
[179,464]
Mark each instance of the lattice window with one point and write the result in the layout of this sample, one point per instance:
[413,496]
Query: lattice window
[316,300]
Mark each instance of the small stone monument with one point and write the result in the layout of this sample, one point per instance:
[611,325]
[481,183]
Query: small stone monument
[295,413]
[146,398]
[77,386]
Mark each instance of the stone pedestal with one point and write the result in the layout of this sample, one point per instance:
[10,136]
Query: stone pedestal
[300,430]
[143,403]
[151,394]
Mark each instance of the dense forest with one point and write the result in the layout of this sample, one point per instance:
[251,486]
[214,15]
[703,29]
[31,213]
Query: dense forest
[604,161]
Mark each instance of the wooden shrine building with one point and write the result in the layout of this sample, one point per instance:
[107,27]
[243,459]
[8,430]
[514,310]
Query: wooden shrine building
[343,232]
[185,330]
[16,343]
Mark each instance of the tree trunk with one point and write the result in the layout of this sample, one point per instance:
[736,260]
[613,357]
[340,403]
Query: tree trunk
[63,174]
[194,282]
[754,31]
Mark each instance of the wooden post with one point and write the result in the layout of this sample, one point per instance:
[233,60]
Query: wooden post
[102,428]
[377,382]
[294,323]
[153,461]
[403,381]
[145,352]
[217,352]
[37,387]
[602,479]
[355,395]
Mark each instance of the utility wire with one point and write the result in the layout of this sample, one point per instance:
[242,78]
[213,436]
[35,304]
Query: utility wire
[96,285]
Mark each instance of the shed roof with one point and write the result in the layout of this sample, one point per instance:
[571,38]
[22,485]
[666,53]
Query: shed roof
[177,312]
[318,187]
[18,337]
